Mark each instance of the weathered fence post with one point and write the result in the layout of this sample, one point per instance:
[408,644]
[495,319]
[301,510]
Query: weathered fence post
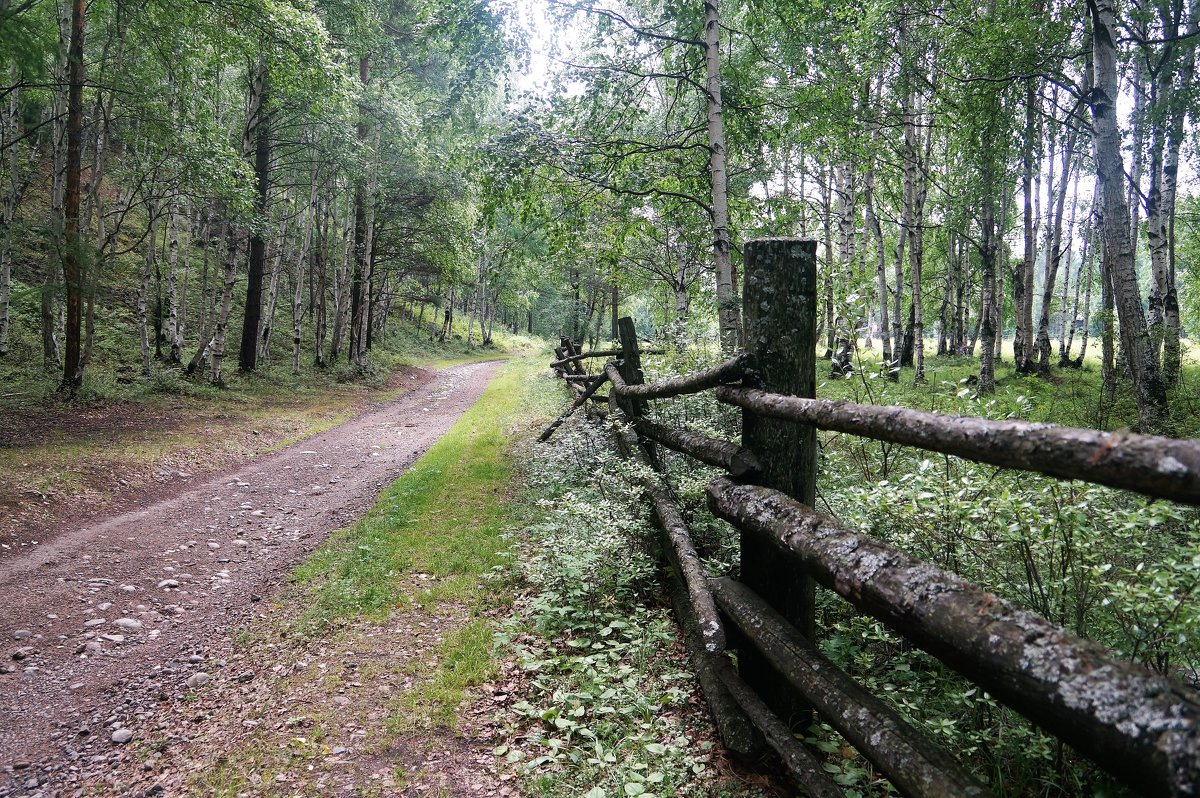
[779,304]
[631,364]
[630,368]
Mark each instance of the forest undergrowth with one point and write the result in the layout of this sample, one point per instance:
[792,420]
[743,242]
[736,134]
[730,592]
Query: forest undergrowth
[1107,564]
[608,705]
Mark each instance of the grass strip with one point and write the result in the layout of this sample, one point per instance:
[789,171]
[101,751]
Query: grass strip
[437,534]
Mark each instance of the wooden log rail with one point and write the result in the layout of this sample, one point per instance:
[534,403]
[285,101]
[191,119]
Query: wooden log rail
[914,764]
[729,371]
[1166,468]
[735,459]
[1135,724]
[580,400]
[1140,727]
[563,361]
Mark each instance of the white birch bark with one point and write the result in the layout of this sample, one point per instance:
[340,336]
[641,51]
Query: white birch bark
[143,296]
[10,130]
[222,322]
[173,331]
[266,324]
[1149,390]
[298,292]
[729,314]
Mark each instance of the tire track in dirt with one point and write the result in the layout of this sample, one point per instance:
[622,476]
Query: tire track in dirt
[107,626]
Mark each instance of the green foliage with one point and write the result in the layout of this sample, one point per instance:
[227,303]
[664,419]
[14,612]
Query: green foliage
[606,695]
[1106,564]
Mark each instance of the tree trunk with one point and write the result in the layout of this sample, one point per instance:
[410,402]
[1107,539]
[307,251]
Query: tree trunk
[143,304]
[72,242]
[10,132]
[341,292]
[827,228]
[173,327]
[1149,389]
[1023,275]
[1070,249]
[51,358]
[1168,112]
[944,318]
[1090,243]
[266,325]
[258,128]
[728,306]
[357,280]
[321,253]
[900,346]
[222,322]
[988,246]
[881,290]
[1054,253]
[615,309]
[298,288]
[207,294]
[914,199]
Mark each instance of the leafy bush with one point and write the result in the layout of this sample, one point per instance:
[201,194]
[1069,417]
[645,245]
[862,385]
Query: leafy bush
[607,706]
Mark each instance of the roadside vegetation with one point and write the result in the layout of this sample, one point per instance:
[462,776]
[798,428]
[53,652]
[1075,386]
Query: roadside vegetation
[1109,565]
[606,704]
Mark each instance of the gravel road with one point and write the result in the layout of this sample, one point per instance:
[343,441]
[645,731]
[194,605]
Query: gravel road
[105,626]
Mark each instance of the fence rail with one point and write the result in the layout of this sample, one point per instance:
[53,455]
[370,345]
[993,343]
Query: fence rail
[1140,727]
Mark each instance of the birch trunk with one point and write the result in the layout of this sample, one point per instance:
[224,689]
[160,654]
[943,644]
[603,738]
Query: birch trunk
[728,306]
[1023,276]
[915,160]
[222,322]
[341,291]
[844,210]
[267,324]
[827,229]
[370,278]
[143,296]
[1149,389]
[1090,245]
[1070,250]
[11,130]
[321,252]
[881,290]
[298,290]
[1054,253]
[1168,111]
[173,330]
[988,247]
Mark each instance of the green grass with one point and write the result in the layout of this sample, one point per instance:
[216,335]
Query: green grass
[446,519]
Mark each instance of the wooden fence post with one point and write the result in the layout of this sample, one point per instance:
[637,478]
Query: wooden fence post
[780,315]
[631,364]
[630,368]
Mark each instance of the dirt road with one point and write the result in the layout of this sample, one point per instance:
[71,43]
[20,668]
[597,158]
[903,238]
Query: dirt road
[105,626]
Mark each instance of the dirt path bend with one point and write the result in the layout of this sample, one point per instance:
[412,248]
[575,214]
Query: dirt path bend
[106,625]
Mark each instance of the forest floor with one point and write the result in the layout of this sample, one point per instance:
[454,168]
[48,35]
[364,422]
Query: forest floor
[121,630]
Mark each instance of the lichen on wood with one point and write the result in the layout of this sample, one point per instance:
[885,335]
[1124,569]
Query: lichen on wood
[1140,727]
[1168,468]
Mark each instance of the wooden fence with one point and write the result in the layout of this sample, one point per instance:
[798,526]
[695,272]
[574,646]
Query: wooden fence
[1142,728]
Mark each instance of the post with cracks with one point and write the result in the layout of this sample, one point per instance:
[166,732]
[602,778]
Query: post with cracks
[780,321]
[630,369]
